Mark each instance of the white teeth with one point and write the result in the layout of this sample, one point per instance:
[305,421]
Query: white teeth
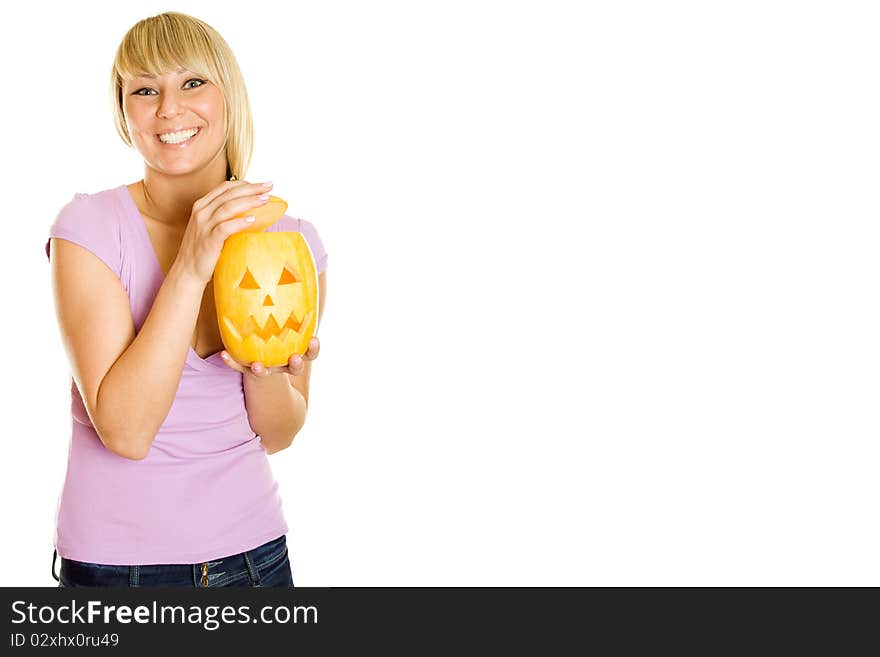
[177,137]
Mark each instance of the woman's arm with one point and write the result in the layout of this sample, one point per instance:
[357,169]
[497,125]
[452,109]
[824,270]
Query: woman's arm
[127,382]
[276,409]
[277,403]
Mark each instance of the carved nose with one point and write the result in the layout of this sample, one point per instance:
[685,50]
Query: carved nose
[268,301]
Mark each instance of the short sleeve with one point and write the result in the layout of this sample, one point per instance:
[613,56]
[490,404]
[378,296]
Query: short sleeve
[83,221]
[309,232]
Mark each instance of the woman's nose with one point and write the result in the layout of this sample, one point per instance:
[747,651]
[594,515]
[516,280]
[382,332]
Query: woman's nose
[169,105]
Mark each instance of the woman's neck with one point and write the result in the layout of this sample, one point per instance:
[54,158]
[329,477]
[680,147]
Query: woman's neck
[170,199]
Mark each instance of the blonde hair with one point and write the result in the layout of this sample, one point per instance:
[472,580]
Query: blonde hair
[172,40]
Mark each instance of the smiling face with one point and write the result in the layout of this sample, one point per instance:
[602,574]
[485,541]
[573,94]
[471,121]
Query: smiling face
[266,294]
[180,100]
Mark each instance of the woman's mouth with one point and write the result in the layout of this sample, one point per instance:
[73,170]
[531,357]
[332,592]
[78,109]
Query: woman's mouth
[178,139]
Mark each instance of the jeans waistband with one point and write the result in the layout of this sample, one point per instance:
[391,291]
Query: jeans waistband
[246,564]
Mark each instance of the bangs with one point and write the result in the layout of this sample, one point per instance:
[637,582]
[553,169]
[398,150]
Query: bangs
[163,45]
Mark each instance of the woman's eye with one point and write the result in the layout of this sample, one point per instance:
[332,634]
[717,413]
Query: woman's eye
[200,83]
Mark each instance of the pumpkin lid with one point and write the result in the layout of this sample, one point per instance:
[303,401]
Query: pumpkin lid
[266,215]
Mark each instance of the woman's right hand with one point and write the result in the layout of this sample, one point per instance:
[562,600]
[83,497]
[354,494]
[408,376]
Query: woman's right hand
[211,222]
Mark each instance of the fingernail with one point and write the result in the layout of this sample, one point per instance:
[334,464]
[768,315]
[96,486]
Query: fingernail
[250,220]
[264,197]
[268,184]
[297,361]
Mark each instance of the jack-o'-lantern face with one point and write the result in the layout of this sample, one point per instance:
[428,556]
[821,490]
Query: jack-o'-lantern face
[266,295]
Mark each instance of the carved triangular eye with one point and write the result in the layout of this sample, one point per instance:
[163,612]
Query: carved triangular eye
[249,282]
[287,277]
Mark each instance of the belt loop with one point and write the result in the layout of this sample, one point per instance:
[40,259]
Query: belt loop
[54,557]
[133,576]
[252,570]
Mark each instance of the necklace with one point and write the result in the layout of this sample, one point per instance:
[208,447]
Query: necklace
[147,198]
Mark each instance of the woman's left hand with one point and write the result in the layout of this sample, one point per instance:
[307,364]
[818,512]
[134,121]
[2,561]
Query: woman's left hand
[294,366]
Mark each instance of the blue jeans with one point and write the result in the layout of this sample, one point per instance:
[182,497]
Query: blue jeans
[264,566]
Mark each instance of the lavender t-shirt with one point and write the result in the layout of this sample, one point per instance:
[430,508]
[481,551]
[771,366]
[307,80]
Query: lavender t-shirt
[206,489]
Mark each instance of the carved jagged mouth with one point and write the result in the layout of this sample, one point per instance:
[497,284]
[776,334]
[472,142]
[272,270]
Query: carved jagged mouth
[269,329]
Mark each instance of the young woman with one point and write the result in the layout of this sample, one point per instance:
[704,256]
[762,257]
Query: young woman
[168,481]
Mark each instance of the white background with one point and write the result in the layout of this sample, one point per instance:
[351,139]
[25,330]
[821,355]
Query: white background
[602,283]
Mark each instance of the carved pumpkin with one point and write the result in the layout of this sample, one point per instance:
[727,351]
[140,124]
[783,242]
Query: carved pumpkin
[266,291]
